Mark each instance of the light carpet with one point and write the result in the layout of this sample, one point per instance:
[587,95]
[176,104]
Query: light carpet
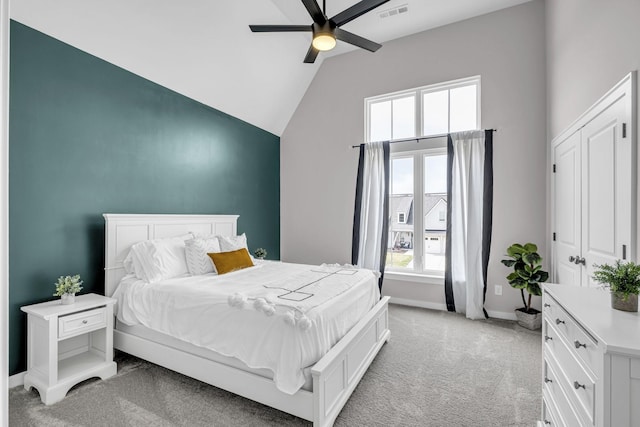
[438,369]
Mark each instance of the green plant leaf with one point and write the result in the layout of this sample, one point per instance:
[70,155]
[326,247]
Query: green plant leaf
[509,262]
[534,289]
[516,250]
[532,258]
[530,247]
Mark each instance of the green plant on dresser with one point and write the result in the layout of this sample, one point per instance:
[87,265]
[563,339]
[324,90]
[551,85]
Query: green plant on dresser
[623,280]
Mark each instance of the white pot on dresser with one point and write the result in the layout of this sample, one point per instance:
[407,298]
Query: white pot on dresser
[591,359]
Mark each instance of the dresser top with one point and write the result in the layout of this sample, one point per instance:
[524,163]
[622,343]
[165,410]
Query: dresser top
[56,308]
[619,331]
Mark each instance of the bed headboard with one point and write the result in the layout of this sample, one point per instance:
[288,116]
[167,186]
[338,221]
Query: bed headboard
[123,230]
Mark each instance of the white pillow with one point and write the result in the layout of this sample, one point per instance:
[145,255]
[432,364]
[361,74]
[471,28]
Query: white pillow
[159,259]
[233,243]
[198,262]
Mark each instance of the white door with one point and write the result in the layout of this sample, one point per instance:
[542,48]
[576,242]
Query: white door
[567,211]
[606,191]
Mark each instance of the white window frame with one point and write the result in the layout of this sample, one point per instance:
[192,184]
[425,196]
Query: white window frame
[418,97]
[418,274]
[433,276]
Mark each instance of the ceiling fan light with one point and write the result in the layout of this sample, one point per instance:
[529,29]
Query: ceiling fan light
[324,41]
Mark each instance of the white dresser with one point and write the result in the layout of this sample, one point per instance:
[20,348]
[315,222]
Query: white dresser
[591,360]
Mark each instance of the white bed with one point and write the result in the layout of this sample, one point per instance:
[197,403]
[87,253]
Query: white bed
[332,379]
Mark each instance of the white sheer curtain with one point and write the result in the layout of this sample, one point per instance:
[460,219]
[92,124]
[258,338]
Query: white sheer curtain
[470,209]
[371,222]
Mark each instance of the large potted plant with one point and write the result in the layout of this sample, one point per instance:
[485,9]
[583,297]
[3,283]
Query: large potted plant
[527,275]
[623,280]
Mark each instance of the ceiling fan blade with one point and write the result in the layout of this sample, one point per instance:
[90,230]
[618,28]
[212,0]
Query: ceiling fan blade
[315,11]
[356,10]
[312,54]
[279,28]
[356,40]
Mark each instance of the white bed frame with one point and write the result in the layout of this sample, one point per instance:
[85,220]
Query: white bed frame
[335,376]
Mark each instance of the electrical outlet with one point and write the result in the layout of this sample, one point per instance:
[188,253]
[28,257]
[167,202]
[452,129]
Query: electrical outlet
[498,289]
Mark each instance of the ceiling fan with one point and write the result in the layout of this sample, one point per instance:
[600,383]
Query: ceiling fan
[326,30]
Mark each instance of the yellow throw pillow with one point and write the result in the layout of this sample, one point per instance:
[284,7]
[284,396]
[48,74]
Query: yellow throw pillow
[227,262]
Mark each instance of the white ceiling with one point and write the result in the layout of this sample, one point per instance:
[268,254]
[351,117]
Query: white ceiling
[204,49]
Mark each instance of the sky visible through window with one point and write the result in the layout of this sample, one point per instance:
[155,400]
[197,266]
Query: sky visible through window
[435,175]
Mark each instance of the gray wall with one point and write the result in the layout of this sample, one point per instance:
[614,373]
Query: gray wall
[318,167]
[591,45]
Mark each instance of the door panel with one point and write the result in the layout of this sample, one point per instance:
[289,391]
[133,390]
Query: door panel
[602,228]
[567,210]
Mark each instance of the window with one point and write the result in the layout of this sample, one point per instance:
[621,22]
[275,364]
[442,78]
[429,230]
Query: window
[419,171]
[424,111]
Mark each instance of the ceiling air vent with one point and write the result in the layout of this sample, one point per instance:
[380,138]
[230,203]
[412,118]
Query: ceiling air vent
[394,11]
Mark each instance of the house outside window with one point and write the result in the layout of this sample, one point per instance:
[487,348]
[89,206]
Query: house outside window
[420,169]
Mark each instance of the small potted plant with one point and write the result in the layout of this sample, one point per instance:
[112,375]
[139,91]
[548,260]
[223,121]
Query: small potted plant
[623,280]
[527,275]
[260,253]
[67,287]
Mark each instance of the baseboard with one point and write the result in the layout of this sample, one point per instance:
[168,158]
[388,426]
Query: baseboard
[17,379]
[502,315]
[417,303]
[443,307]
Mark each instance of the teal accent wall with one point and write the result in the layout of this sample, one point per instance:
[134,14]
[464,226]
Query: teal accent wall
[87,137]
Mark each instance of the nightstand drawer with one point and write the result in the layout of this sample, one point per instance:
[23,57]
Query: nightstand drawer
[79,323]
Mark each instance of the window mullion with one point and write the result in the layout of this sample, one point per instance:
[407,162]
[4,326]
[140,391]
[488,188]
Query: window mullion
[418,110]
[418,217]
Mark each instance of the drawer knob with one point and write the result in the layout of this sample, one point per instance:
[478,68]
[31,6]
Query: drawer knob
[577,385]
[558,321]
[547,422]
[547,304]
[84,322]
[547,380]
[578,344]
[547,338]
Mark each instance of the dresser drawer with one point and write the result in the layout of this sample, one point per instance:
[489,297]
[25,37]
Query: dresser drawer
[549,417]
[577,383]
[558,406]
[79,323]
[584,346]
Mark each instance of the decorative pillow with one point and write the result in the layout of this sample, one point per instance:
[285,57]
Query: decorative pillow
[198,262]
[159,259]
[227,262]
[233,243]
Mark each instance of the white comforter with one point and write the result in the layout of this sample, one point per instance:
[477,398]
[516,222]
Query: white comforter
[256,315]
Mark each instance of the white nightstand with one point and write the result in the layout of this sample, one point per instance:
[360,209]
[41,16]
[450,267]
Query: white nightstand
[67,344]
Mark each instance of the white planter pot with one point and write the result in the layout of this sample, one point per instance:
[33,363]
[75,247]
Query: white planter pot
[68,299]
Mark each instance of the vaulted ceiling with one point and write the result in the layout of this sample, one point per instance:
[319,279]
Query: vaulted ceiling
[204,49]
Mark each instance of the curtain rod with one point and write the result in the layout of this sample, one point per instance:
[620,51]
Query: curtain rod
[442,135]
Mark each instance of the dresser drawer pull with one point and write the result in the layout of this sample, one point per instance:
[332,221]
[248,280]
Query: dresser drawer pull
[84,322]
[558,321]
[578,344]
[547,338]
[547,305]
[577,385]
[547,422]
[547,380]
